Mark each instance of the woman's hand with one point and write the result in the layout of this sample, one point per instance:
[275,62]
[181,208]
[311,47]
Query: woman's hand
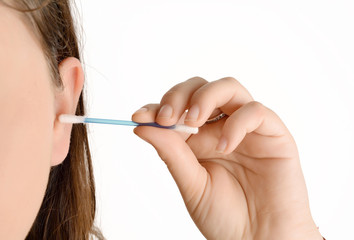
[240,177]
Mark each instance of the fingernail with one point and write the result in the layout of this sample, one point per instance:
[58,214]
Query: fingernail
[222,145]
[141,110]
[165,111]
[193,114]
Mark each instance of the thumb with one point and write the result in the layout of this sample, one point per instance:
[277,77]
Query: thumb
[184,167]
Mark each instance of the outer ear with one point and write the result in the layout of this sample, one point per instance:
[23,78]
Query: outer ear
[66,102]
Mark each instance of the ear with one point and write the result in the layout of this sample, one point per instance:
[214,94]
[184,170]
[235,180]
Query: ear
[66,101]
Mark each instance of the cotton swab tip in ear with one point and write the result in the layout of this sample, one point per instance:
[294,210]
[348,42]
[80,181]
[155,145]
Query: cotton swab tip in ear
[66,118]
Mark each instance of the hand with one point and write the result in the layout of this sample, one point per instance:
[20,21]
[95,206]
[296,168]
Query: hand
[240,177]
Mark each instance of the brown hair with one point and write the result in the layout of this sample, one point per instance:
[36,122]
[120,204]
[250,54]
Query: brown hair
[69,205]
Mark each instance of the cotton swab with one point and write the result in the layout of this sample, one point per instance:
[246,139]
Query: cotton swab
[66,118]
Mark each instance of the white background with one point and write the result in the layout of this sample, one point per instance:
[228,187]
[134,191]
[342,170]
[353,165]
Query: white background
[296,57]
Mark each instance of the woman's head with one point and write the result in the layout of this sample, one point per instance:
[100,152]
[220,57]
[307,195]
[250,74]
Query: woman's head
[46,181]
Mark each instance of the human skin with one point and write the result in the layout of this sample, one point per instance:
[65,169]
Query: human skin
[254,188]
[31,138]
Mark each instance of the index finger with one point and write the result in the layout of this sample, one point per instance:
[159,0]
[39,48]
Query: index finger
[227,94]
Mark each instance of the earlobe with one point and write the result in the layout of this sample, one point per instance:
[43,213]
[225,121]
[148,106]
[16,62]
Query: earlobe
[66,102]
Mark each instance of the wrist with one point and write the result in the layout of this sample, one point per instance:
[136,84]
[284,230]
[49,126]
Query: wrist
[290,227]
[293,234]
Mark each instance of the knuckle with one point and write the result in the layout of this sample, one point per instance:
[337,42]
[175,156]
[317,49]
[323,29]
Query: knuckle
[257,107]
[233,82]
[171,95]
[230,79]
[179,91]
[197,79]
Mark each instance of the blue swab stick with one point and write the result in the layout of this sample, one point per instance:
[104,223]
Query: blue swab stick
[66,118]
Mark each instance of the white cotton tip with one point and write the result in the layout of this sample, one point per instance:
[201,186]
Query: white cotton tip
[66,118]
[186,129]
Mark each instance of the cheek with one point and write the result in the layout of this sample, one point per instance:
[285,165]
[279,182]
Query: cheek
[27,115]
